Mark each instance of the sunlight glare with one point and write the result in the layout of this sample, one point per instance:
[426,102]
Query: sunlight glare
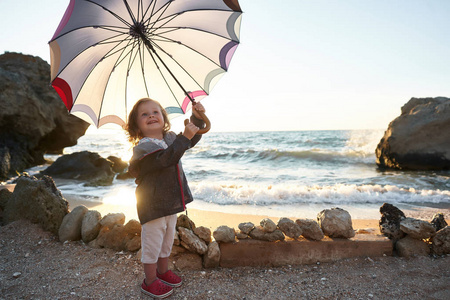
[124,196]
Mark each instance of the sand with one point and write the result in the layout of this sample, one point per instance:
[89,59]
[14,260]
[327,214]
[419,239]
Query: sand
[35,265]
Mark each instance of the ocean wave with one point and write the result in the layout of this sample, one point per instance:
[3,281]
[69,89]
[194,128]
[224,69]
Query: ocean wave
[276,155]
[266,195]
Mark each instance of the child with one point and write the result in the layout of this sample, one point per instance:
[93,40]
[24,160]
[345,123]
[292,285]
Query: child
[162,190]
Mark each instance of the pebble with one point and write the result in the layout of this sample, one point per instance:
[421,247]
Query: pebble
[17,274]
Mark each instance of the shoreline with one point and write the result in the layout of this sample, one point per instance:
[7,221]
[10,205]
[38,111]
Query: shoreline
[212,218]
[214,215]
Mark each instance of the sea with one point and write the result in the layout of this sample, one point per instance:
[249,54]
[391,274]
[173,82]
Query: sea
[279,174]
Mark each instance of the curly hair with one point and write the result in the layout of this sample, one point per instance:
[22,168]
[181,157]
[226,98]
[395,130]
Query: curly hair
[132,129]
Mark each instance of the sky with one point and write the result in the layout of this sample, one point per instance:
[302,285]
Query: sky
[301,64]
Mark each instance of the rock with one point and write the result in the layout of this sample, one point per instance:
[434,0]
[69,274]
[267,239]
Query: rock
[419,138]
[390,221]
[33,119]
[111,220]
[336,223]
[242,236]
[5,163]
[121,237]
[36,200]
[5,195]
[417,229]
[203,233]
[133,228]
[258,233]
[184,221]
[70,229]
[310,228]
[133,235]
[408,246]
[176,239]
[118,164]
[441,241]
[268,225]
[212,258]
[246,227]
[90,226]
[133,244]
[192,242]
[438,221]
[224,234]
[112,238]
[85,166]
[289,228]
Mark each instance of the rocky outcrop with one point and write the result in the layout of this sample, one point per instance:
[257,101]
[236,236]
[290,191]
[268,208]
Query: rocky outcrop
[419,139]
[84,165]
[33,119]
[36,200]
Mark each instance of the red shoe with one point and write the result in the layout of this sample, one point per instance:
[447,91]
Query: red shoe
[156,289]
[170,278]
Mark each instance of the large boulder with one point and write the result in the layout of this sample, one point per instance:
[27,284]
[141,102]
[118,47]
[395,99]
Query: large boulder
[84,165]
[419,139]
[36,200]
[33,119]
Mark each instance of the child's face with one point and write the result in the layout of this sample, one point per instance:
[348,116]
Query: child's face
[150,120]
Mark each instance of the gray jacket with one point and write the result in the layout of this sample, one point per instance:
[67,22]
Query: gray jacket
[162,188]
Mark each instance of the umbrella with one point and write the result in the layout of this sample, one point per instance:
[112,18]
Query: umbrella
[107,54]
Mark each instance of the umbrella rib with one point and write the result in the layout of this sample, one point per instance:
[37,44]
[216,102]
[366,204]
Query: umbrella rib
[141,57]
[146,11]
[181,68]
[129,11]
[112,13]
[162,75]
[166,6]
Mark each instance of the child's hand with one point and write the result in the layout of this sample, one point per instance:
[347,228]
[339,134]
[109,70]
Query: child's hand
[190,130]
[196,108]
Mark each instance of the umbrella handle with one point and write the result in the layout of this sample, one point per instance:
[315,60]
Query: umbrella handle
[205,119]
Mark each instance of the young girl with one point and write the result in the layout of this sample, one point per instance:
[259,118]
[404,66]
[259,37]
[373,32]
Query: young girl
[162,190]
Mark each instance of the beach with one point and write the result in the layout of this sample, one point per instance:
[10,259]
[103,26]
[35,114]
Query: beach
[34,265]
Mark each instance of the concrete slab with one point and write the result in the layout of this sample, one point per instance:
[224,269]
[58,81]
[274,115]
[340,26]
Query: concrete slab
[294,252]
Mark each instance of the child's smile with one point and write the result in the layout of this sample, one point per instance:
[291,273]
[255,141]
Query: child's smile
[150,120]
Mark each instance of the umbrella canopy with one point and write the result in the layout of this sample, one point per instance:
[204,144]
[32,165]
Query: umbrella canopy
[107,54]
